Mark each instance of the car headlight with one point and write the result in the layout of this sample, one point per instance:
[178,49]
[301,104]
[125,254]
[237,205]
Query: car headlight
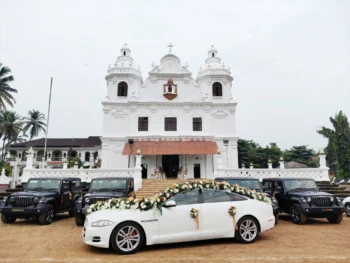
[309,199]
[87,200]
[332,198]
[100,223]
[12,199]
[36,199]
[4,199]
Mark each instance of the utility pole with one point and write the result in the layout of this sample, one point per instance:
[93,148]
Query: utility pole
[48,119]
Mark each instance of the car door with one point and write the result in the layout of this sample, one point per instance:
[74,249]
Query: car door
[175,224]
[217,222]
[66,195]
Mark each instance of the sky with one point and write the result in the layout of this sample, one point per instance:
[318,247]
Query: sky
[290,60]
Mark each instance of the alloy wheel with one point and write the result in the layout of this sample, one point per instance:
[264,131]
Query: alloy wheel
[49,216]
[347,209]
[248,230]
[295,214]
[128,238]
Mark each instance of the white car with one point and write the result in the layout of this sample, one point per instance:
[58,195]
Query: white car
[128,230]
[346,203]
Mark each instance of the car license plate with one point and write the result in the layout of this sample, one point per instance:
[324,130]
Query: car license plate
[17,210]
[327,209]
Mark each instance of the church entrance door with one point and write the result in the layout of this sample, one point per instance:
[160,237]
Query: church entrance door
[170,164]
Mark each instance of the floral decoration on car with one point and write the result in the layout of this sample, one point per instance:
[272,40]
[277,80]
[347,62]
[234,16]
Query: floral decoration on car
[159,199]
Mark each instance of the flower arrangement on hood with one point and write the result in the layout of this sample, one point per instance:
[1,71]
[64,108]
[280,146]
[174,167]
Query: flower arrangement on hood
[159,199]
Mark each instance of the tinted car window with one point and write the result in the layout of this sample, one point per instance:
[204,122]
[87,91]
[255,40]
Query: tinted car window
[215,196]
[237,197]
[186,198]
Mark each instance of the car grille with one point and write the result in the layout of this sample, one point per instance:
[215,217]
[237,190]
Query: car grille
[22,202]
[322,201]
[95,200]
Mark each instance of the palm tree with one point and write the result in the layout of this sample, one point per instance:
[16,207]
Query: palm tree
[5,89]
[34,123]
[10,127]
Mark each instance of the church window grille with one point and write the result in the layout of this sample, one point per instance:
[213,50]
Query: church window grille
[170,124]
[123,89]
[217,89]
[143,123]
[197,124]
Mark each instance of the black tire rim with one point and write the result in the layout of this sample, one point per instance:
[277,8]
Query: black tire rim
[49,215]
[296,214]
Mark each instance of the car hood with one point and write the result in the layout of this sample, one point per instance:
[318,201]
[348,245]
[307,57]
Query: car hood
[118,215]
[309,193]
[34,193]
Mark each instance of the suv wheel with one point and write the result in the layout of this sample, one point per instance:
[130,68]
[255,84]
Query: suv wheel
[7,219]
[347,209]
[248,230]
[79,219]
[298,217]
[335,219]
[277,216]
[46,218]
[71,211]
[127,238]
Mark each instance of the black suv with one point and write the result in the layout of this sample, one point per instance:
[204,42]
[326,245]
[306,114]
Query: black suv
[42,198]
[103,189]
[302,199]
[253,184]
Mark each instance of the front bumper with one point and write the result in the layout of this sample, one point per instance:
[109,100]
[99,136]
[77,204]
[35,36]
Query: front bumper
[97,236]
[23,212]
[322,212]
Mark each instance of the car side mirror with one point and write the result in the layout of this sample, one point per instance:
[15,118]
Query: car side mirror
[170,203]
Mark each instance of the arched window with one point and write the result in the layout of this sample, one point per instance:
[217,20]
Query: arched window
[123,89]
[213,55]
[217,89]
[124,53]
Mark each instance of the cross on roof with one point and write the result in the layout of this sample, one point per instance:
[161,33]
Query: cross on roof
[170,46]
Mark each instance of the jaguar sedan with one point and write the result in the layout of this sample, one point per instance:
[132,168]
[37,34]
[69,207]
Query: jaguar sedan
[187,216]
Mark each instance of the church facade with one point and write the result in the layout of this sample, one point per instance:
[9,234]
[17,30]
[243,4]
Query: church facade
[178,123]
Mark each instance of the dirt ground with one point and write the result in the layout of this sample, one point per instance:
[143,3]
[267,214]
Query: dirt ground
[317,241]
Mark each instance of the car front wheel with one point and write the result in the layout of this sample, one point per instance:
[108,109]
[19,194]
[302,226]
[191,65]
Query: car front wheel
[79,219]
[335,219]
[127,238]
[248,230]
[47,217]
[347,209]
[298,217]
[7,219]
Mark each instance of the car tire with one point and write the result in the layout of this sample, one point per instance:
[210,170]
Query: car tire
[46,218]
[298,217]
[335,219]
[7,219]
[248,230]
[277,216]
[347,209]
[132,240]
[79,219]
[71,211]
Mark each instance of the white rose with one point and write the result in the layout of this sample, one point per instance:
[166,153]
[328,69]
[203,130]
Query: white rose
[167,195]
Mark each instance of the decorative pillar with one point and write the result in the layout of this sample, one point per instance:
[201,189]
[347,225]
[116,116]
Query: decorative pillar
[76,165]
[3,178]
[281,163]
[138,159]
[29,162]
[65,164]
[137,173]
[269,163]
[49,156]
[322,157]
[91,158]
[251,166]
[243,167]
[219,160]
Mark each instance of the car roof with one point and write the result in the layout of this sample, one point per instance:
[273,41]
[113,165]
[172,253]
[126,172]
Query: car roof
[55,178]
[288,178]
[236,178]
[112,178]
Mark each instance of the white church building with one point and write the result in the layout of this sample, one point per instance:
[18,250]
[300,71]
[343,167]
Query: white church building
[177,122]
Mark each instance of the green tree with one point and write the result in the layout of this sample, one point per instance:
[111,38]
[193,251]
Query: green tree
[246,152]
[300,154]
[74,160]
[10,128]
[338,147]
[5,89]
[34,123]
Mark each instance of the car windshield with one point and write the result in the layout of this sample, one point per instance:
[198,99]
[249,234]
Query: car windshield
[250,184]
[108,185]
[300,184]
[43,184]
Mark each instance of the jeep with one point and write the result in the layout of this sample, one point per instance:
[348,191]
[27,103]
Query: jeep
[41,198]
[302,199]
[103,189]
[253,184]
